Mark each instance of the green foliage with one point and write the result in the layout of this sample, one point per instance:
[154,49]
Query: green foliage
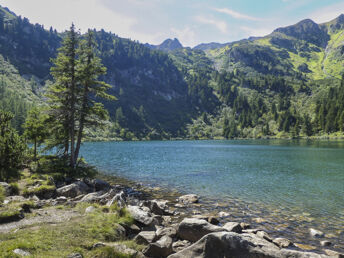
[2,194]
[9,215]
[15,188]
[12,148]
[35,128]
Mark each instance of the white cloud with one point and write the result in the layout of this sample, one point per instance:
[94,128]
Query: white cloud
[187,36]
[220,25]
[236,15]
[256,32]
[328,13]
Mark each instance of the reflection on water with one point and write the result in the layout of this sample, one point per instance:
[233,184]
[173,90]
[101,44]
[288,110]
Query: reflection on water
[299,180]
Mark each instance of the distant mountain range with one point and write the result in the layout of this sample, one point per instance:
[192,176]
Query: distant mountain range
[168,91]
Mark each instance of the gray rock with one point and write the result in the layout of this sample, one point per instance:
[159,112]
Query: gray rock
[145,237]
[75,255]
[121,232]
[21,252]
[125,250]
[90,209]
[316,233]
[101,185]
[264,235]
[325,243]
[92,197]
[161,248]
[73,190]
[245,225]
[188,198]
[157,207]
[61,199]
[333,254]
[194,229]
[233,227]
[97,245]
[223,214]
[7,188]
[282,242]
[230,244]
[213,220]
[169,231]
[140,215]
[180,245]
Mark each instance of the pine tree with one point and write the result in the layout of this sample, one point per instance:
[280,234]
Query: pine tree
[35,128]
[89,69]
[62,96]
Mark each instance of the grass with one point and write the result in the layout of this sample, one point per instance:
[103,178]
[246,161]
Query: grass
[77,235]
[9,215]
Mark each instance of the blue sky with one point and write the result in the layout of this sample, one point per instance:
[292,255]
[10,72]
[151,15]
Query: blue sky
[191,21]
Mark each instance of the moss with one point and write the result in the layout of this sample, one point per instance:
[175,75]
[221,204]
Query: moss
[10,215]
[39,191]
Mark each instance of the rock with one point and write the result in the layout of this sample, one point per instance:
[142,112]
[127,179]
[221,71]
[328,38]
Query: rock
[325,243]
[132,229]
[305,247]
[61,199]
[233,227]
[333,253]
[230,244]
[97,245]
[245,225]
[21,252]
[178,205]
[194,229]
[251,230]
[125,250]
[8,189]
[188,198]
[73,190]
[120,231]
[101,185]
[316,233]
[213,220]
[92,197]
[259,220]
[15,198]
[161,248]
[156,207]
[145,237]
[223,214]
[169,231]
[180,245]
[264,235]
[90,209]
[119,199]
[282,242]
[75,255]
[140,215]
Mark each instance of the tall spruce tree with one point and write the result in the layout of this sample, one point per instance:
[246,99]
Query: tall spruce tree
[89,69]
[72,97]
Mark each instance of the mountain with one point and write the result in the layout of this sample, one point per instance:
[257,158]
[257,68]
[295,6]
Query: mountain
[280,85]
[168,45]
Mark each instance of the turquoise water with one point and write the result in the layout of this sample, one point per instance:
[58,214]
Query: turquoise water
[305,177]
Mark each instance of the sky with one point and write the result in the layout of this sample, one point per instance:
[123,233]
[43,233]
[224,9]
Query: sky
[191,21]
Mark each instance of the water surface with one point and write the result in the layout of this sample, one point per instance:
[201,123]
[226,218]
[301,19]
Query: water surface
[299,180]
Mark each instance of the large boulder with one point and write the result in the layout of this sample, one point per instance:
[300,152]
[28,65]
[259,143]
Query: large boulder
[233,227]
[140,215]
[316,233]
[188,198]
[73,190]
[101,185]
[194,229]
[157,207]
[145,237]
[230,244]
[161,248]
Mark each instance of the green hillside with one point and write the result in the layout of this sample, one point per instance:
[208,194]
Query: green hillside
[273,86]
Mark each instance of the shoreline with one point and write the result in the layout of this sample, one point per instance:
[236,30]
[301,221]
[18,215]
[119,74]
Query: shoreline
[209,207]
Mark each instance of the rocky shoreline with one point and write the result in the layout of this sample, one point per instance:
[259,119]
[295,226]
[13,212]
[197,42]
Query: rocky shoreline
[165,227]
